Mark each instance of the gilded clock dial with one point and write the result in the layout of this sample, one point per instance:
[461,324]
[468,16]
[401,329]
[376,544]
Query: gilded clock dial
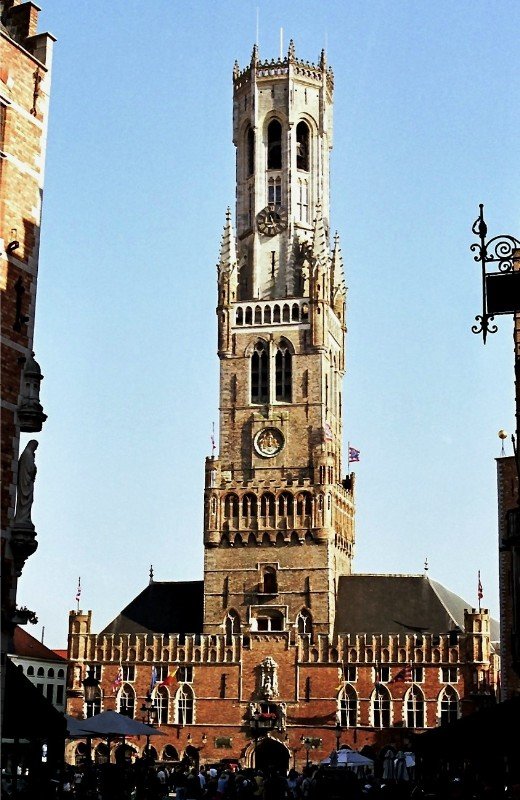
[268,442]
[271,220]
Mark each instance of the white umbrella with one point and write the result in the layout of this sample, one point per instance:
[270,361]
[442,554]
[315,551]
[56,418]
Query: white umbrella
[349,758]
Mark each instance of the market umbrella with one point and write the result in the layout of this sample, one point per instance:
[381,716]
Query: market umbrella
[111,724]
[348,758]
[75,727]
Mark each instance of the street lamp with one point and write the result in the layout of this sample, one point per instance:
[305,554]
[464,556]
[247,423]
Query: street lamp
[148,708]
[256,722]
[307,743]
[338,730]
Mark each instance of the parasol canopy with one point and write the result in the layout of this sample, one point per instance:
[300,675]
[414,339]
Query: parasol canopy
[111,723]
[348,758]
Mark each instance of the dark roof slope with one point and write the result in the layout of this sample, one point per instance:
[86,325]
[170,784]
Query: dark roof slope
[163,607]
[26,646]
[399,604]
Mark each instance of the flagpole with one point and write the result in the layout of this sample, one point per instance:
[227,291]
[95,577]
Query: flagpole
[348,457]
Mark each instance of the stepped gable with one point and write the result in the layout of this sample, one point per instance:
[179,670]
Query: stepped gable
[391,604]
[163,607]
[26,646]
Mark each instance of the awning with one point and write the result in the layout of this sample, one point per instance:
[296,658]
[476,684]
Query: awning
[27,714]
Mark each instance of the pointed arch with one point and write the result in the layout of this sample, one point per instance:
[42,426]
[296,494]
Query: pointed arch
[274,144]
[161,702]
[249,506]
[380,707]
[250,145]
[231,625]
[414,708]
[260,372]
[285,504]
[126,700]
[304,622]
[302,146]
[267,505]
[448,706]
[184,705]
[283,371]
[348,707]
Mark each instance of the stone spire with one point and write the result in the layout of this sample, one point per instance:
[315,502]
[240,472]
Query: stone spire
[319,241]
[228,249]
[337,273]
[291,53]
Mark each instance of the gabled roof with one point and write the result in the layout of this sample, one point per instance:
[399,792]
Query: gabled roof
[26,646]
[399,604]
[163,607]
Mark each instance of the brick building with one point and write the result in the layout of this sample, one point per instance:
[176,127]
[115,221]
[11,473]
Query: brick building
[282,652]
[25,74]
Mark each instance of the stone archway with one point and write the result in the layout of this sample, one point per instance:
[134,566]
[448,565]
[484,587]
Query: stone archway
[271,755]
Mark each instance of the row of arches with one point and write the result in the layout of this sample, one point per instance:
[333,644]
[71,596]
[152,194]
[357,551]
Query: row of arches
[274,158]
[384,711]
[271,314]
[103,754]
[176,708]
[283,504]
[43,672]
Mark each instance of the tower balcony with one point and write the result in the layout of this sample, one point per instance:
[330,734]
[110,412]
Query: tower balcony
[260,313]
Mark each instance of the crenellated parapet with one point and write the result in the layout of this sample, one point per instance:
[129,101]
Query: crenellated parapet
[281,67]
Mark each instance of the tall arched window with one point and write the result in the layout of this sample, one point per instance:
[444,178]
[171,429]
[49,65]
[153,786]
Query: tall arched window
[267,505]
[127,701]
[304,504]
[274,145]
[230,506]
[260,373]
[302,146]
[285,504]
[184,706]
[250,141]
[347,707]
[232,625]
[380,707]
[161,704]
[414,708]
[249,505]
[283,373]
[449,706]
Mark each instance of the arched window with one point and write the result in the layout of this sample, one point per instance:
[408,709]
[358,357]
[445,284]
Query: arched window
[276,314]
[267,505]
[102,754]
[414,708]
[30,670]
[270,584]
[184,706]
[250,141]
[274,145]
[161,704]
[302,146]
[260,373]
[283,374]
[304,504]
[170,753]
[240,316]
[249,505]
[380,707]
[231,506]
[448,706]
[61,673]
[304,622]
[127,701]
[348,707]
[232,625]
[258,315]
[41,672]
[285,504]
[50,673]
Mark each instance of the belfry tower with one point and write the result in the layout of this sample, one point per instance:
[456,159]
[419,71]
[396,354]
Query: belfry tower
[279,519]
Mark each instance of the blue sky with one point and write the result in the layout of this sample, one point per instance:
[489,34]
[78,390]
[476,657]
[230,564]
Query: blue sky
[140,170]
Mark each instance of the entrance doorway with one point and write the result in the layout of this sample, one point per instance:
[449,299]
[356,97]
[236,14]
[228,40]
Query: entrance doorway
[271,755]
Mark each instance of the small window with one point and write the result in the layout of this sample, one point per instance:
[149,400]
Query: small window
[302,146]
[128,672]
[30,670]
[350,673]
[449,674]
[185,674]
[41,672]
[270,583]
[59,694]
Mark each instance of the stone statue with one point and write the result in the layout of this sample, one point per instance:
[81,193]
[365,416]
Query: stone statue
[25,489]
[282,716]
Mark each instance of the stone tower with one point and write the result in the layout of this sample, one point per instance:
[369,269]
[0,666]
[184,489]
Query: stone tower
[279,520]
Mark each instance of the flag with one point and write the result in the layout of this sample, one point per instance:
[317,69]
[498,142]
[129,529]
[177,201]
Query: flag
[170,678]
[118,680]
[78,593]
[153,679]
[213,440]
[480,592]
[353,454]
[327,433]
[404,675]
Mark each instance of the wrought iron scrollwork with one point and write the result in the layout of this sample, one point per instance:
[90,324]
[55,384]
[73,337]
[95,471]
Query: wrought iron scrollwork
[503,250]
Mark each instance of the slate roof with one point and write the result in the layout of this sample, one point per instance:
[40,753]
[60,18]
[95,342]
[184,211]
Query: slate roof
[163,607]
[26,646]
[399,604]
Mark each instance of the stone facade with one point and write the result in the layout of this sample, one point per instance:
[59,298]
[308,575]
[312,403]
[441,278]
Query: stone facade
[25,74]
[272,671]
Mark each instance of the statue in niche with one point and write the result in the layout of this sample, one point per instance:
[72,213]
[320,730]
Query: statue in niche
[269,678]
[25,488]
[282,716]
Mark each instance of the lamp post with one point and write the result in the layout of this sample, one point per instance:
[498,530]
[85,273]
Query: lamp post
[338,730]
[90,690]
[256,721]
[148,708]
[501,295]
[308,746]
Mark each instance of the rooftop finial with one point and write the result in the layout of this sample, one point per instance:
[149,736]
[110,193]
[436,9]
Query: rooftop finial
[323,60]
[254,54]
[426,565]
[291,51]
[151,573]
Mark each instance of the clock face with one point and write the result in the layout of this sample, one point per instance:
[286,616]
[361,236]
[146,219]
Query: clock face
[271,220]
[268,442]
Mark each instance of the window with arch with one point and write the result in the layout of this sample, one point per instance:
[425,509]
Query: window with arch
[274,191]
[231,506]
[380,707]
[285,504]
[302,146]
[161,704]
[448,706]
[41,672]
[184,706]
[267,503]
[127,701]
[249,505]
[232,625]
[250,143]
[414,708]
[274,145]
[30,670]
[304,504]
[348,707]
[304,622]
[283,365]
[260,373]
[269,581]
